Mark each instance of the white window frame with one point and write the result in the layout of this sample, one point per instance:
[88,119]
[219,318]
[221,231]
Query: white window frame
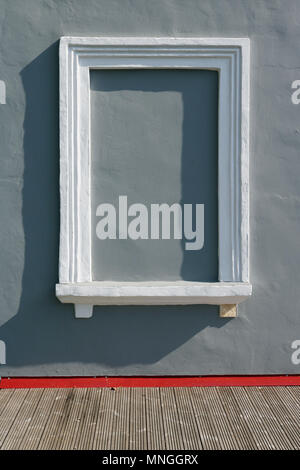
[231,58]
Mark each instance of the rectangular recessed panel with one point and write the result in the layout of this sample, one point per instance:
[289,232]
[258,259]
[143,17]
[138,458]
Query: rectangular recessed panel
[154,140]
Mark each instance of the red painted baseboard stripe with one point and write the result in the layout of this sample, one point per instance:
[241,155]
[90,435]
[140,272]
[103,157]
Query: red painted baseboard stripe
[202,381]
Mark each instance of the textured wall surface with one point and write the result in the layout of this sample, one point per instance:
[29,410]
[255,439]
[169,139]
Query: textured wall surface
[41,335]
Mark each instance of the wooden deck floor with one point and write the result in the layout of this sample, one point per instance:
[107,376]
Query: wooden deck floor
[151,418]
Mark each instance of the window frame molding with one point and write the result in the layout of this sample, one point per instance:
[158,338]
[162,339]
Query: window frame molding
[231,58]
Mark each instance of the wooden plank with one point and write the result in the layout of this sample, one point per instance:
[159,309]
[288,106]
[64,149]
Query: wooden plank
[172,427]
[10,412]
[22,421]
[239,426]
[137,420]
[218,415]
[71,424]
[295,391]
[120,425]
[189,428]
[32,437]
[48,437]
[155,426]
[88,421]
[262,438]
[62,421]
[206,424]
[285,418]
[5,396]
[270,422]
[103,432]
[290,401]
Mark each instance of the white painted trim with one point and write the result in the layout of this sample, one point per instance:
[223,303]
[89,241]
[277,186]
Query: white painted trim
[2,92]
[153,293]
[82,310]
[231,58]
[2,352]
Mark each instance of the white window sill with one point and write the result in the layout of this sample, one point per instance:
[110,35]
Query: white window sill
[86,294]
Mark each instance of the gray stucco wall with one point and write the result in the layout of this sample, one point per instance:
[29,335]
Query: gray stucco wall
[154,138]
[42,336]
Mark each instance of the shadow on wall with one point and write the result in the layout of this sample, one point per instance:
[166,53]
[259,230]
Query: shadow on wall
[44,338]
